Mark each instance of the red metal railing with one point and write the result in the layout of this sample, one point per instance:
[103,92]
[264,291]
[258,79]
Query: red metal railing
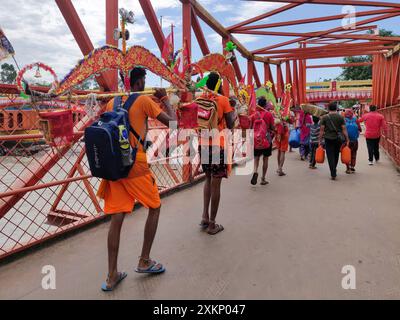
[391,141]
[46,191]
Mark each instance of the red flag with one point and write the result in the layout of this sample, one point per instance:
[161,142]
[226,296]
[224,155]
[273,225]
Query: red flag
[182,60]
[168,49]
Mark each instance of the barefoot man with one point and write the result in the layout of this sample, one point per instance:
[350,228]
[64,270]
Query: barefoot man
[215,172]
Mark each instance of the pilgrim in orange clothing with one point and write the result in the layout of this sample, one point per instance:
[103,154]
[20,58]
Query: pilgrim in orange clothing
[119,196]
[215,172]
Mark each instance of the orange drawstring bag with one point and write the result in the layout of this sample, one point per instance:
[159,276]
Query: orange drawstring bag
[320,155]
[346,155]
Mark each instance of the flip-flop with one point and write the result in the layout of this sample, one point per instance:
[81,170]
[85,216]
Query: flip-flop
[218,228]
[281,174]
[204,225]
[121,276]
[264,182]
[254,179]
[151,269]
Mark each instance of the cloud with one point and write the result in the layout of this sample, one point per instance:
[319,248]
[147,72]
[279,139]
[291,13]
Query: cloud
[249,9]
[39,32]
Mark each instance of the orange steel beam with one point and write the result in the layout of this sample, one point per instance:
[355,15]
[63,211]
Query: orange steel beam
[395,79]
[268,76]
[330,47]
[331,36]
[153,22]
[333,53]
[187,25]
[342,2]
[288,74]
[360,23]
[112,21]
[340,65]
[314,20]
[250,72]
[236,66]
[296,90]
[199,34]
[279,81]
[349,54]
[204,15]
[265,15]
[82,38]
[256,77]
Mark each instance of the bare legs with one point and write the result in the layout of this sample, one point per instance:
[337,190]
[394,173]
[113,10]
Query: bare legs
[212,195]
[206,199]
[150,230]
[113,247]
[256,164]
[114,235]
[265,168]
[281,162]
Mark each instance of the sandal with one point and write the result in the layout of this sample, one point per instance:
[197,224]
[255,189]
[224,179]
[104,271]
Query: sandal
[204,224]
[152,268]
[121,276]
[254,179]
[264,182]
[217,229]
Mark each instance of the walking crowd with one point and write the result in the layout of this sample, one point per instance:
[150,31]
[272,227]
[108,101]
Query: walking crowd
[332,133]
[335,133]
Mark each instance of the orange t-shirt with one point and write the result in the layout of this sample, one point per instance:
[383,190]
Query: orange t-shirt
[142,109]
[223,107]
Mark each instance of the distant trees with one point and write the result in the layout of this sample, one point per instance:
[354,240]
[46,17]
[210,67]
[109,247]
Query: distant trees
[8,74]
[362,72]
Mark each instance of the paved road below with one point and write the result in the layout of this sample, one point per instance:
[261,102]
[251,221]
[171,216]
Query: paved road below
[289,239]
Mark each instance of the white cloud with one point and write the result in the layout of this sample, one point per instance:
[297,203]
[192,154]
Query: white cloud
[39,32]
[249,9]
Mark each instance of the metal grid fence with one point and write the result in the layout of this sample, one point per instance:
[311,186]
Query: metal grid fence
[46,191]
[391,140]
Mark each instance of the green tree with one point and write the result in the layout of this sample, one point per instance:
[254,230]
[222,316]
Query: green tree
[357,73]
[362,72]
[8,74]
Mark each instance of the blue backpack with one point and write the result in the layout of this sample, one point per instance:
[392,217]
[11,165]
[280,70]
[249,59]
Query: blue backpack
[294,138]
[352,129]
[108,150]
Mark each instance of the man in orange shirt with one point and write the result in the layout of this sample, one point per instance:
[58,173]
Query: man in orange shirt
[120,196]
[215,172]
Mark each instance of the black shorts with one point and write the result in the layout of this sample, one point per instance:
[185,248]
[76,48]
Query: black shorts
[217,170]
[263,152]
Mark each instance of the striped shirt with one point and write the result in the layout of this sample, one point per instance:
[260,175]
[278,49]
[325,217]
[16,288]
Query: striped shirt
[315,129]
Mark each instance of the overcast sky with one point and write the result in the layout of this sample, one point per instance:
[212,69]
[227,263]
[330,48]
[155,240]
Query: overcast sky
[38,31]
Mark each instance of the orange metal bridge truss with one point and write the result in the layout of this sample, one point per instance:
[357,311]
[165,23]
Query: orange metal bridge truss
[47,191]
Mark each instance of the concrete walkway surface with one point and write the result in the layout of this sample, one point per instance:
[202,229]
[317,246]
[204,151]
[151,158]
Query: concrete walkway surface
[287,240]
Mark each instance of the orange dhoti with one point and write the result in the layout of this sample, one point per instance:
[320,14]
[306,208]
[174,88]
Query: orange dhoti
[120,196]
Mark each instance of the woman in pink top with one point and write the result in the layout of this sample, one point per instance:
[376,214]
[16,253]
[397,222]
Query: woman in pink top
[374,125]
